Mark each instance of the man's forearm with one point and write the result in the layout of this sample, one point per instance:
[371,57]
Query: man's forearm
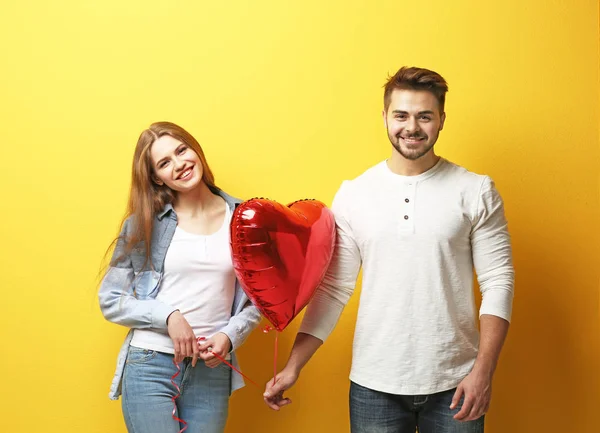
[304,348]
[493,332]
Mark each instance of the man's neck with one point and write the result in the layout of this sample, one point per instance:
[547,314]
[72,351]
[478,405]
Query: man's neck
[406,167]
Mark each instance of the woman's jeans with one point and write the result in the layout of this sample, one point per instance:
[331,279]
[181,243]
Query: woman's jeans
[148,392]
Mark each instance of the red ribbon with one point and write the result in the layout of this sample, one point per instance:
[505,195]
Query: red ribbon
[266,329]
[199,339]
[175,397]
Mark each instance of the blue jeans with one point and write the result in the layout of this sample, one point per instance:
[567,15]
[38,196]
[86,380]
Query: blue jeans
[147,392]
[377,412]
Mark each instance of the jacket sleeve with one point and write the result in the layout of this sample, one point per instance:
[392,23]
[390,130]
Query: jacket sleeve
[118,302]
[242,324]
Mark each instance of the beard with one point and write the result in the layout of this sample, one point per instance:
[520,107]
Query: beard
[415,153]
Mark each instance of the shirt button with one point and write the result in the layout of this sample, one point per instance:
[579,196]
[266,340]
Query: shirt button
[405,217]
[406,200]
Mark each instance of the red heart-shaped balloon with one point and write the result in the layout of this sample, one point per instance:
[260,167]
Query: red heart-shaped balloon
[281,253]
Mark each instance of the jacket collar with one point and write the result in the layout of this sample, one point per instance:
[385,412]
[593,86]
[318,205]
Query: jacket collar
[231,201]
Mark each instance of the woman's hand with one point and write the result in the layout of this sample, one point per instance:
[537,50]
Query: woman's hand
[217,344]
[184,340]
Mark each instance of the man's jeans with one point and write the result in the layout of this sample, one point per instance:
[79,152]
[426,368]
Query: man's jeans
[378,412]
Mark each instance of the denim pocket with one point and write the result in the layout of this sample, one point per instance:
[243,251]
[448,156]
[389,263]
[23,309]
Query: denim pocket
[224,366]
[139,356]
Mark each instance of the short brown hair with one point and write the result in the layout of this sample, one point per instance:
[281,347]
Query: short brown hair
[413,78]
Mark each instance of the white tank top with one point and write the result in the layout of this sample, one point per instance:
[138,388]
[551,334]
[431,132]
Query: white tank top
[199,281]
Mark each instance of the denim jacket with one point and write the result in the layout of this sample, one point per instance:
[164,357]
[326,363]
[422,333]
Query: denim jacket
[128,294]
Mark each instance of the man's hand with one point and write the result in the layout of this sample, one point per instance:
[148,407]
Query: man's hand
[477,391]
[477,386]
[273,395]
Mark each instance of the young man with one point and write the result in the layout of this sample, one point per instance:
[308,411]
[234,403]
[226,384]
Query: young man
[418,224]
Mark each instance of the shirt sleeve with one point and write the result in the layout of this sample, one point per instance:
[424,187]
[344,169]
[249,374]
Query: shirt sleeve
[332,295]
[492,253]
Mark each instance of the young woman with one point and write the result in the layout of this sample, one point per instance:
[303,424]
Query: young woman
[171,281]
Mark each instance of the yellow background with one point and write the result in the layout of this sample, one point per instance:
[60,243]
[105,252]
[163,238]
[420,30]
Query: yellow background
[286,97]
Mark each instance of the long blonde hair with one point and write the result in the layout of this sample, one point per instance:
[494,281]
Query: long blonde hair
[146,198]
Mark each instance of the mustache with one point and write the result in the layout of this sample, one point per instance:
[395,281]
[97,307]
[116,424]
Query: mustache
[411,136]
